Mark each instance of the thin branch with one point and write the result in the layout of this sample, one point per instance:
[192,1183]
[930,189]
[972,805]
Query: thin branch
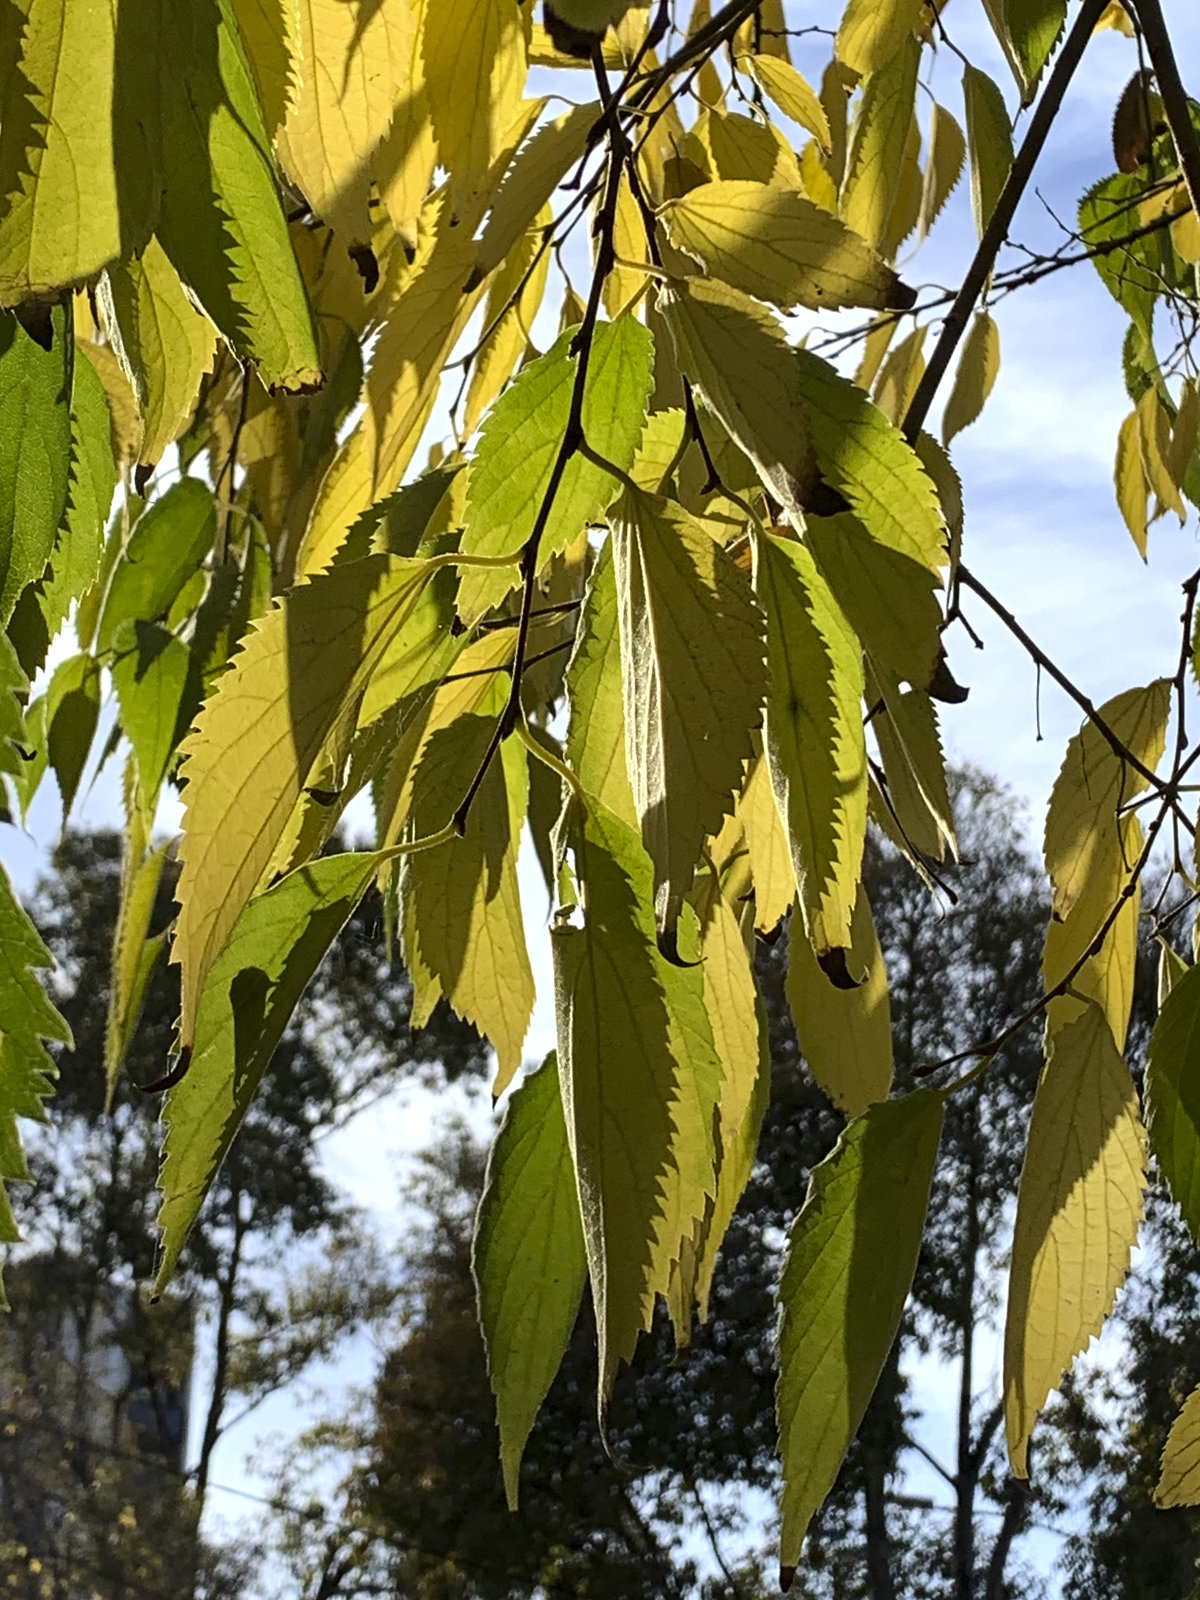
[996,231]
[1174,96]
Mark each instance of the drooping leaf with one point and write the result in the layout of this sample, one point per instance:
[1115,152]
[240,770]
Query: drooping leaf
[1033,27]
[277,941]
[989,139]
[135,951]
[947,152]
[595,742]
[539,167]
[164,551]
[1130,273]
[815,746]
[978,366]
[150,671]
[639,1085]
[348,69]
[1179,1481]
[767,848]
[1173,1094]
[846,1035]
[80,146]
[462,904]
[222,222]
[166,345]
[694,680]
[735,353]
[513,301]
[774,243]
[251,750]
[27,1021]
[869,461]
[1082,820]
[474,56]
[849,1266]
[35,450]
[72,713]
[794,96]
[875,160]
[1078,1210]
[75,559]
[528,1259]
[520,442]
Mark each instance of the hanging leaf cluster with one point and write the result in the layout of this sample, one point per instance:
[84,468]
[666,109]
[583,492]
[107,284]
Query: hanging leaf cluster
[372,425]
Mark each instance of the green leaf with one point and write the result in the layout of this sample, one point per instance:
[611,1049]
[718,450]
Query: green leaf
[168,543]
[253,745]
[1179,1482]
[815,745]
[80,156]
[845,1034]
[165,343]
[27,1020]
[871,188]
[462,904]
[595,742]
[1173,1094]
[135,953]
[1082,821]
[737,356]
[150,673]
[1131,274]
[989,139]
[35,449]
[222,223]
[528,1259]
[639,1084]
[520,441]
[774,243]
[249,993]
[849,1266]
[1033,27]
[694,673]
[889,599]
[870,462]
[75,559]
[1078,1210]
[72,712]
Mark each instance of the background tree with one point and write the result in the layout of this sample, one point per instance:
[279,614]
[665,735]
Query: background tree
[68,1460]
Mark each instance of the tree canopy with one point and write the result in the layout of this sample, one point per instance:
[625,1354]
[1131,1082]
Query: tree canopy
[384,428]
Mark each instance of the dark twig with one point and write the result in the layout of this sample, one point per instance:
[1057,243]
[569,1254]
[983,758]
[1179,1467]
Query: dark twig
[996,231]
[1174,96]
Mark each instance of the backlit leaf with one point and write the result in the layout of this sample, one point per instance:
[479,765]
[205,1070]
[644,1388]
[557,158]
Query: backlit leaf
[275,945]
[474,55]
[35,450]
[794,96]
[27,1021]
[538,169]
[134,951]
[694,680]
[168,543]
[520,442]
[875,161]
[977,368]
[595,743]
[815,746]
[947,152]
[849,1266]
[72,712]
[1179,1483]
[528,1259]
[871,32]
[774,243]
[1034,27]
[989,138]
[1078,1210]
[1173,1094]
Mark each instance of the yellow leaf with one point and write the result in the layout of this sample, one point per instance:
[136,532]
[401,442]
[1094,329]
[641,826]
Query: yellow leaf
[977,368]
[1078,1210]
[816,180]
[1154,437]
[1185,432]
[947,152]
[270,31]
[900,376]
[776,244]
[1107,977]
[694,679]
[404,163]
[352,63]
[845,1034]
[767,847]
[1082,819]
[910,748]
[1129,477]
[816,751]
[794,96]
[536,172]
[474,54]
[624,283]
[513,300]
[250,752]
[872,31]
[595,743]
[1179,1480]
[875,162]
[742,148]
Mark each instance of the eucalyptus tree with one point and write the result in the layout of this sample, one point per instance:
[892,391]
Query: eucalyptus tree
[283,268]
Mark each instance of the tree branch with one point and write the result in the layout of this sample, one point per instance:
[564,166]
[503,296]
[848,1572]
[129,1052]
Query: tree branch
[1174,96]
